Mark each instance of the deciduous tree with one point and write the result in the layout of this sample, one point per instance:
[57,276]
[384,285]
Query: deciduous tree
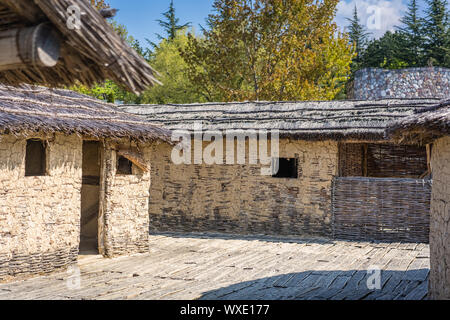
[176,88]
[269,50]
[100,4]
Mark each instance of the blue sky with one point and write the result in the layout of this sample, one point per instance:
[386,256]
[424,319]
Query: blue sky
[139,16]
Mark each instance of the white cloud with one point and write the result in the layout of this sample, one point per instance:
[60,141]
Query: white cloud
[378,16]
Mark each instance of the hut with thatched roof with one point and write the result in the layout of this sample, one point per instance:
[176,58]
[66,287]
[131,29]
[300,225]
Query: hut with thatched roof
[74,171]
[335,174]
[74,175]
[431,126]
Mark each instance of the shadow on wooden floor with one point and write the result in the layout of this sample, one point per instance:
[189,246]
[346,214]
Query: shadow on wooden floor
[329,285]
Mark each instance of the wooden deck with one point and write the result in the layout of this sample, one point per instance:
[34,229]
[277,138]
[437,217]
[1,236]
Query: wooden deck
[229,267]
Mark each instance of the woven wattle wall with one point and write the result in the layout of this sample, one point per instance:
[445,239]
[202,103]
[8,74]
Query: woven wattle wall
[383,160]
[351,159]
[383,209]
[237,199]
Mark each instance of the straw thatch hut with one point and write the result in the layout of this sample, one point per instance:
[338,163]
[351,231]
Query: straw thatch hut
[432,126]
[339,176]
[63,42]
[74,172]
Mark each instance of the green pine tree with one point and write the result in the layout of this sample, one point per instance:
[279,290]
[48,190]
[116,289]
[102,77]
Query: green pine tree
[171,23]
[412,30]
[437,33]
[388,52]
[358,36]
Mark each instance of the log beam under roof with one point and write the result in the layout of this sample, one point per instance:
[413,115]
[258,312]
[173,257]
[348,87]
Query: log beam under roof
[32,46]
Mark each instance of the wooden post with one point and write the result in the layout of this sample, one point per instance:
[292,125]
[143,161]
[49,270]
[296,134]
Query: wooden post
[365,162]
[37,46]
[429,146]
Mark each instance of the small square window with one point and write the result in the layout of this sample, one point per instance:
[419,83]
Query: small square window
[35,158]
[287,168]
[124,166]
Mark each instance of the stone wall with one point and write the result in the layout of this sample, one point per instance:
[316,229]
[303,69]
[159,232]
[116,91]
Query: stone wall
[238,199]
[39,216]
[374,83]
[125,207]
[440,221]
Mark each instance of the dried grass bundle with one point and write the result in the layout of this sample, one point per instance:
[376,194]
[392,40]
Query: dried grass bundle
[90,54]
[27,110]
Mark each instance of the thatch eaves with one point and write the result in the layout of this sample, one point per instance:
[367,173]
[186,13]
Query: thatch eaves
[309,120]
[90,54]
[29,110]
[424,126]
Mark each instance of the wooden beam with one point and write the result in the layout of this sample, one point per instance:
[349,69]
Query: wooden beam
[26,47]
[135,158]
[108,13]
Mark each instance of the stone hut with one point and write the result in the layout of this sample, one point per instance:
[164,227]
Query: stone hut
[432,126]
[74,175]
[74,171]
[338,175]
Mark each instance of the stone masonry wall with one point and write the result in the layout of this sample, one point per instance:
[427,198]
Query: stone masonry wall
[238,199]
[39,216]
[125,207]
[440,221]
[374,83]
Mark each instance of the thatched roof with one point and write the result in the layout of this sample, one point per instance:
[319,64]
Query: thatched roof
[336,120]
[27,110]
[424,125]
[90,54]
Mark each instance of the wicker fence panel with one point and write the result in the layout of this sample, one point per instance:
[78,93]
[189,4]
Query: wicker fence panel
[396,161]
[381,209]
[351,159]
[381,160]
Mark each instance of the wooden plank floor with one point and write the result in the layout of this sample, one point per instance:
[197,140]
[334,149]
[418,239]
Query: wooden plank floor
[205,266]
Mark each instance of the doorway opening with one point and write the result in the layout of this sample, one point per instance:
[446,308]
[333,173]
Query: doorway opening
[90,198]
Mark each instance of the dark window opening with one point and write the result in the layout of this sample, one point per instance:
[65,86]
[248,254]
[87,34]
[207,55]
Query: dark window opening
[35,158]
[124,166]
[287,168]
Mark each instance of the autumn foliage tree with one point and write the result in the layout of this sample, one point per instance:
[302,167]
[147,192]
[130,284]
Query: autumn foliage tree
[269,50]
[100,4]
